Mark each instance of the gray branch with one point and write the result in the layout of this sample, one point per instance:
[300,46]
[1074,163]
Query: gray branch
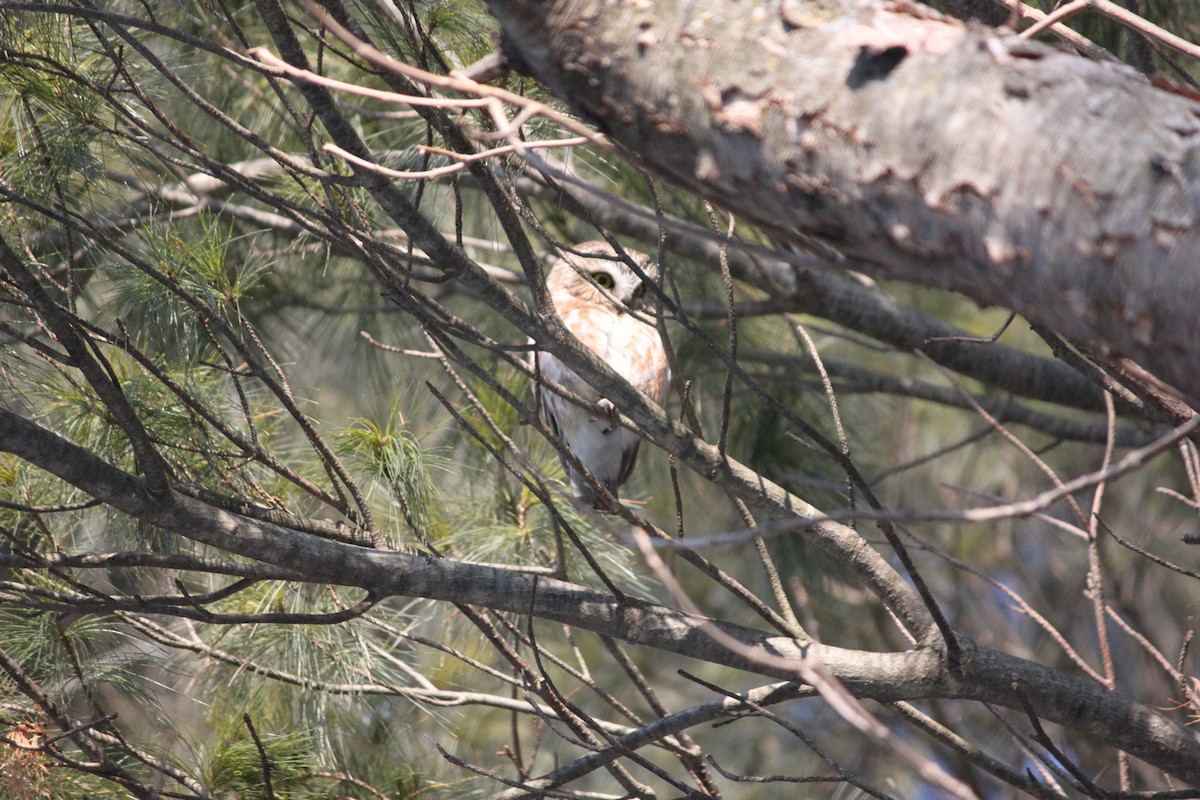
[987,675]
[950,156]
[823,293]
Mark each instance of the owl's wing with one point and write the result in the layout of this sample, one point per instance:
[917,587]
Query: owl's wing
[552,406]
[628,461]
[564,418]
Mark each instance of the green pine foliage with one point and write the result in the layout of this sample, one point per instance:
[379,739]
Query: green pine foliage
[394,465]
[266,361]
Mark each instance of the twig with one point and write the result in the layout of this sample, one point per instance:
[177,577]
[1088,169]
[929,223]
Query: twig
[1028,610]
[1023,781]
[262,757]
[461,160]
[760,710]
[1042,738]
[1076,40]
[54,509]
[995,337]
[453,82]
[1122,15]
[1054,17]
[812,673]
[731,320]
[1162,562]
[1131,461]
[1095,577]
[1010,437]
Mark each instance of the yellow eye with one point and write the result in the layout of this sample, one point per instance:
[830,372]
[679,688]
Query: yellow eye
[603,280]
[640,290]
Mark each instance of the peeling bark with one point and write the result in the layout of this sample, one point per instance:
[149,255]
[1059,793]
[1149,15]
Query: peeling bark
[947,155]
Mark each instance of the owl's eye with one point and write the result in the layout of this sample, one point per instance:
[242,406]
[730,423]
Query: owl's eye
[640,291]
[603,280]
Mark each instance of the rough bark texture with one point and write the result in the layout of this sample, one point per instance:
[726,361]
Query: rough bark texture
[848,302]
[951,156]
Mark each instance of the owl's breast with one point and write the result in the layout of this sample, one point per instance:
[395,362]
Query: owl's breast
[630,346]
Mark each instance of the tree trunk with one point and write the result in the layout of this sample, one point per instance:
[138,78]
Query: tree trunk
[953,156]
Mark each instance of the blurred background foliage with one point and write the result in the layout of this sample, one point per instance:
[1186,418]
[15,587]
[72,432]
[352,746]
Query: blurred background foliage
[225,298]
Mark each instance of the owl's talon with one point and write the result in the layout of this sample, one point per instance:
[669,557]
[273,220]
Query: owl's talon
[611,410]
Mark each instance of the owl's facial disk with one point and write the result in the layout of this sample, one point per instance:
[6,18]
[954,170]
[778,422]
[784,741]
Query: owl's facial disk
[631,296]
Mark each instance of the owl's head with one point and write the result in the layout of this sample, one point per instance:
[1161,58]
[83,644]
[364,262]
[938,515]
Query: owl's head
[604,278]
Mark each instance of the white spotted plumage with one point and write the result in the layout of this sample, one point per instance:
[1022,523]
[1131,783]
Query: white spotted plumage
[603,303]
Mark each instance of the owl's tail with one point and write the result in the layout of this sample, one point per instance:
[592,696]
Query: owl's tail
[585,495]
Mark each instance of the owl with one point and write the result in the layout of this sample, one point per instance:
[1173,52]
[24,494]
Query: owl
[595,298]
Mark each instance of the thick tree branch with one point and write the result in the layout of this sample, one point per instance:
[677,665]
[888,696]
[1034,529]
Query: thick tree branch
[819,292]
[823,293]
[987,675]
[1018,180]
[84,357]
